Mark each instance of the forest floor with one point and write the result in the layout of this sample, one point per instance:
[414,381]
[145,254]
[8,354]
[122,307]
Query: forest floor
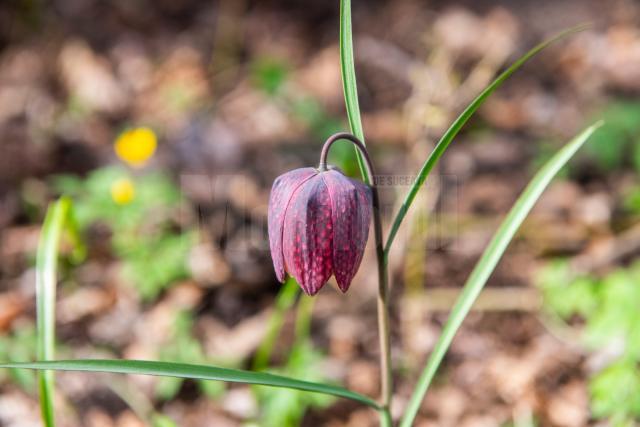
[239,92]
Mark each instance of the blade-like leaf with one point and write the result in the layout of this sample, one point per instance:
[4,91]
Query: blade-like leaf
[455,127]
[57,219]
[486,265]
[349,86]
[200,372]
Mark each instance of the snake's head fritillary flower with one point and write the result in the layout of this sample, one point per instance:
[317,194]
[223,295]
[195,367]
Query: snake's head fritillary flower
[318,225]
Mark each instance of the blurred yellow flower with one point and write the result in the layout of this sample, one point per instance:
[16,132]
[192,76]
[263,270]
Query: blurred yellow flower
[136,146]
[123,191]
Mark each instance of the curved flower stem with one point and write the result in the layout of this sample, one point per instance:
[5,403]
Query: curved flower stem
[383,299]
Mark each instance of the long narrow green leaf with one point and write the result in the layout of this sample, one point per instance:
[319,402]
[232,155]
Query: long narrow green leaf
[46,268]
[349,86]
[487,264]
[59,217]
[200,372]
[455,127]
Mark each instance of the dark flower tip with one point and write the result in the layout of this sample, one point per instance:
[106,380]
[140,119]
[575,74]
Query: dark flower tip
[318,225]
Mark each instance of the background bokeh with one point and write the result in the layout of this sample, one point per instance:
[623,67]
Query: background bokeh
[167,122]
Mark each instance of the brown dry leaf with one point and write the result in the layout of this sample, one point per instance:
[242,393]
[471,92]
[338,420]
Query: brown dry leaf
[133,65]
[185,295]
[18,410]
[115,326]
[569,406]
[595,210]
[496,152]
[594,60]
[344,332]
[180,87]
[529,107]
[513,376]
[448,402]
[23,90]
[321,77]
[98,418]
[558,200]
[201,413]
[12,305]
[474,34]
[481,420]
[622,60]
[362,418]
[155,326]
[88,78]
[487,194]
[208,266]
[244,193]
[241,403]
[85,302]
[363,377]
[129,419]
[255,118]
[233,343]
[19,241]
[419,335]
[386,125]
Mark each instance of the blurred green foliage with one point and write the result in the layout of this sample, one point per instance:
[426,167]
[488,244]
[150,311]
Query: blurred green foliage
[282,407]
[615,146]
[544,151]
[20,345]
[528,422]
[609,309]
[632,200]
[271,76]
[144,234]
[617,143]
[159,420]
[287,296]
[615,393]
[321,126]
[183,347]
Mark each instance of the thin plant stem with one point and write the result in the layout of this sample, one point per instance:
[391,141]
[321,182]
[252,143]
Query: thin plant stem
[386,382]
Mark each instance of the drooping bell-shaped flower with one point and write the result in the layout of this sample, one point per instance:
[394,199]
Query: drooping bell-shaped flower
[318,225]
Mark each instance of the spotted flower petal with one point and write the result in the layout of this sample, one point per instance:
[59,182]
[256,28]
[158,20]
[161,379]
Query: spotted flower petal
[307,236]
[281,192]
[318,226]
[351,214]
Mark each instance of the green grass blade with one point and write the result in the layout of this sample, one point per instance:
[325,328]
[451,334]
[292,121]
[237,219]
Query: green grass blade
[349,86]
[487,263]
[455,127]
[59,217]
[46,273]
[200,372]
